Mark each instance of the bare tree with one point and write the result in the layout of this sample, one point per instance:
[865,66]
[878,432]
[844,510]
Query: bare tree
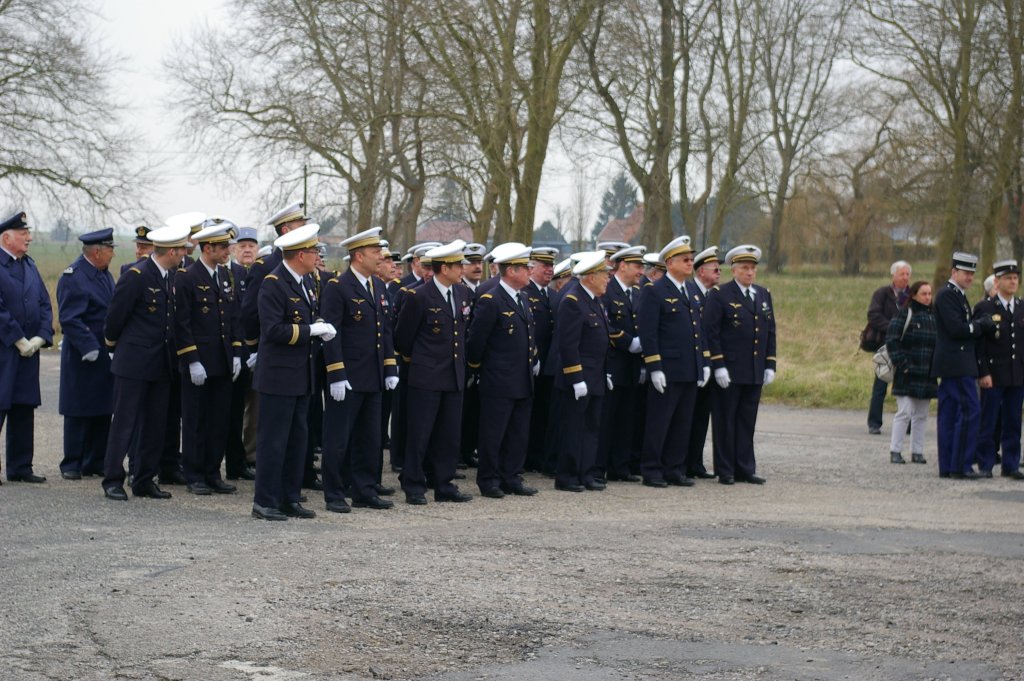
[60,134]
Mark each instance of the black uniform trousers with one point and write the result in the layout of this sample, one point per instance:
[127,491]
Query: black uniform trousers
[280,449]
[470,443]
[578,428]
[399,410]
[615,441]
[535,449]
[733,416]
[504,428]
[553,433]
[667,431]
[170,457]
[699,432]
[315,419]
[140,407]
[85,444]
[234,451]
[20,420]
[351,461]
[639,429]
[432,442]
[385,420]
[204,430]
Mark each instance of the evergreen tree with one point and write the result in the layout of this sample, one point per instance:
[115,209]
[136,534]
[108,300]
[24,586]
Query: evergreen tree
[618,202]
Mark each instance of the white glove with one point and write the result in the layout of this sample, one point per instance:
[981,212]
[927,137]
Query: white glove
[322,329]
[111,356]
[251,360]
[197,372]
[769,376]
[91,356]
[390,382]
[707,377]
[634,345]
[611,385]
[722,377]
[643,376]
[338,390]
[658,381]
[25,347]
[236,367]
[471,381]
[579,389]
[37,343]
[536,369]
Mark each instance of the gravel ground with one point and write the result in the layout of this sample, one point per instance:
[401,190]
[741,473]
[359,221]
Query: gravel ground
[841,567]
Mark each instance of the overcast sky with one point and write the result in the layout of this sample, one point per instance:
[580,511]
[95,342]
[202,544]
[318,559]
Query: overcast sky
[143,32]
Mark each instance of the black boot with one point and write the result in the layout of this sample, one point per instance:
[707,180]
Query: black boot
[896,457]
[917,458]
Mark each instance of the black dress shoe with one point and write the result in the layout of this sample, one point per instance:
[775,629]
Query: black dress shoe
[247,473]
[396,469]
[461,466]
[896,457]
[151,491]
[492,493]
[416,499]
[520,490]
[267,513]
[752,479]
[383,491]
[340,506]
[173,478]
[454,497]
[726,480]
[115,492]
[945,475]
[969,475]
[681,481]
[1016,475]
[30,477]
[567,487]
[221,487]
[472,462]
[655,483]
[702,475]
[297,511]
[875,430]
[71,475]
[314,484]
[460,476]
[595,486]
[199,488]
[984,474]
[628,477]
[917,458]
[373,502]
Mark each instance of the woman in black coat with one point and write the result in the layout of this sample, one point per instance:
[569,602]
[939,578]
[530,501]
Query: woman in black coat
[910,348]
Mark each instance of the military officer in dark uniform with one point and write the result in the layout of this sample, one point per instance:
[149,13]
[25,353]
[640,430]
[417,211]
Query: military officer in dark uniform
[955,363]
[143,247]
[707,271]
[209,349]
[1001,374]
[387,272]
[538,293]
[492,279]
[238,458]
[654,269]
[739,321]
[501,350]
[621,301]
[431,332]
[361,366]
[582,334]
[472,271]
[285,375]
[676,358]
[139,332]
[551,367]
[26,326]
[84,291]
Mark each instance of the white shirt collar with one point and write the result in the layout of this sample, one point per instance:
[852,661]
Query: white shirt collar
[361,278]
[1007,303]
[542,288]
[442,288]
[208,267]
[163,272]
[624,286]
[416,277]
[957,286]
[744,289]
[592,296]
[703,289]
[297,277]
[470,285]
[509,290]
[13,257]
[678,285]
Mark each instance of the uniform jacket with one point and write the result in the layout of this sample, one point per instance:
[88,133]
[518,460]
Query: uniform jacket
[250,301]
[285,365]
[206,319]
[623,365]
[911,352]
[671,334]
[552,366]
[740,340]
[999,357]
[955,339]
[139,328]
[501,345]
[25,312]
[363,352]
[83,297]
[432,338]
[582,334]
[543,319]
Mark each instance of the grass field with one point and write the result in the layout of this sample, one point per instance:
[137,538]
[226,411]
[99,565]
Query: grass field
[819,319]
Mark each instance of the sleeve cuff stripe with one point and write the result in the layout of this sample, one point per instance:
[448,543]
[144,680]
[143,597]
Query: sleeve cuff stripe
[337,366]
[652,358]
[187,350]
[295,335]
[573,369]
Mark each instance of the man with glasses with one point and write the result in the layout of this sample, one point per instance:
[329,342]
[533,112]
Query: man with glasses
[707,271]
[84,291]
[139,334]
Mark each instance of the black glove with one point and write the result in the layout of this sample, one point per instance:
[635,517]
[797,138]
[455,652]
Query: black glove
[985,325]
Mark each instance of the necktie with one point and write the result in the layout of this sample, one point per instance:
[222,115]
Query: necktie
[216,280]
[544,292]
[369,288]
[629,295]
[450,305]
[167,284]
[750,300]
[519,303]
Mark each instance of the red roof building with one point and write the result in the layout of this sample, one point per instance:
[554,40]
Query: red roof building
[624,229]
